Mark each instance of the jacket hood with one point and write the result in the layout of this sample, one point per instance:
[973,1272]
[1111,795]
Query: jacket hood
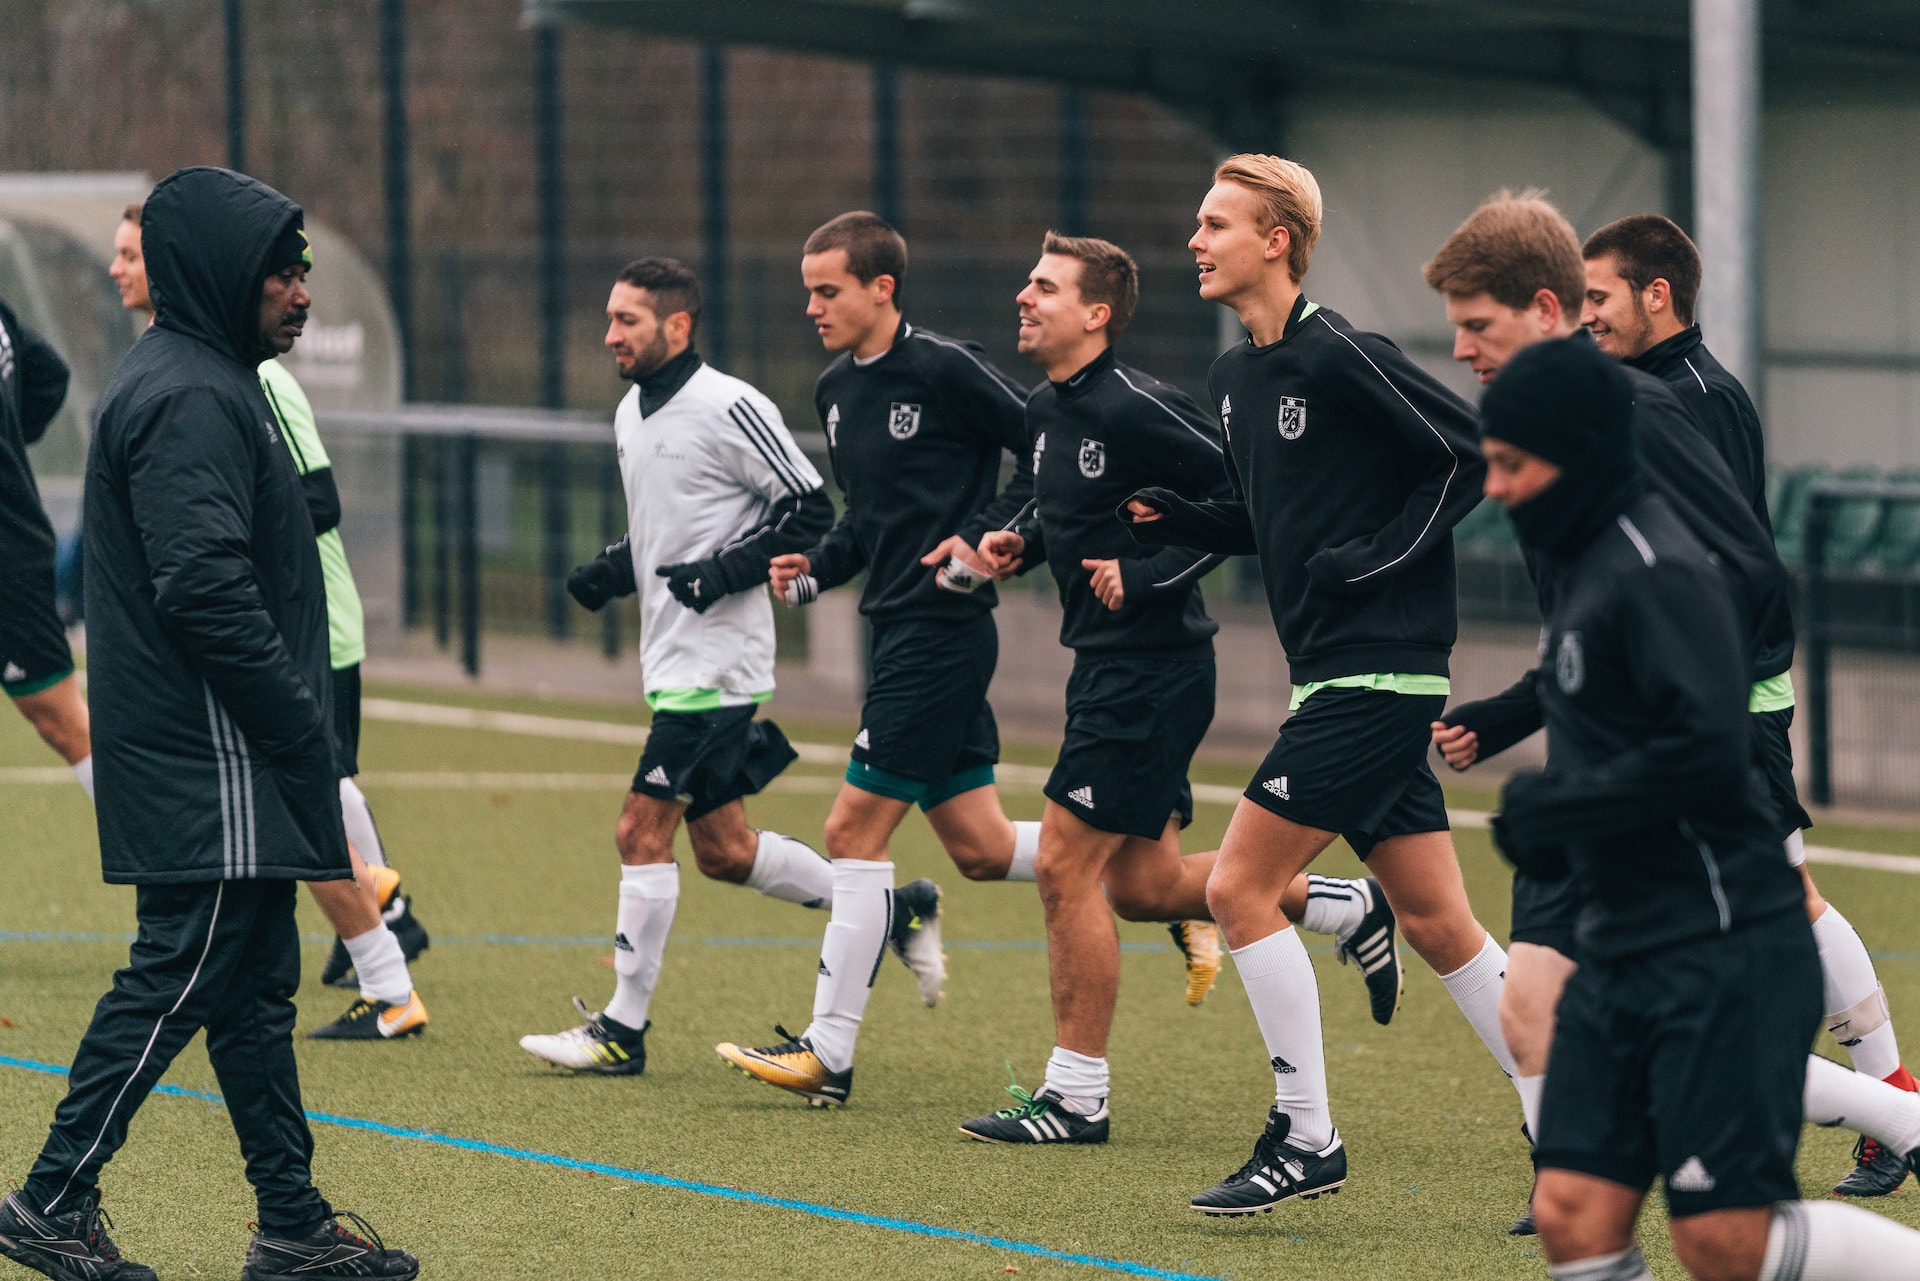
[206,233]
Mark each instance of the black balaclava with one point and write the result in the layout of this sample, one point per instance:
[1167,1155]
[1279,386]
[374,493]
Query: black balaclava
[1565,401]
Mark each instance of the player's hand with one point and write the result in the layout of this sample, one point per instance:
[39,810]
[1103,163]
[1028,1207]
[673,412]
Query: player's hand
[1001,550]
[697,584]
[1143,513]
[961,569]
[593,584]
[791,577]
[1459,746]
[1106,582]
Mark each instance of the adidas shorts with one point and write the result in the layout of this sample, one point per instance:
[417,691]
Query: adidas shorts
[1354,761]
[926,716]
[346,719]
[1545,912]
[1688,1062]
[709,759]
[1774,747]
[33,645]
[1133,724]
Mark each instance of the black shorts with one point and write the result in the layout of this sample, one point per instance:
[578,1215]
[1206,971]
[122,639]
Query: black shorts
[1545,912]
[926,716]
[33,645]
[1688,1062]
[710,759]
[1133,724]
[1774,746]
[346,719]
[1354,761]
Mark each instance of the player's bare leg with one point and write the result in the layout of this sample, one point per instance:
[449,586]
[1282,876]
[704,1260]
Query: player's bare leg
[976,833]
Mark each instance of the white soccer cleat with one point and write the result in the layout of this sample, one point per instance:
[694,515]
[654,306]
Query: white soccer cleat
[916,937]
[597,1045]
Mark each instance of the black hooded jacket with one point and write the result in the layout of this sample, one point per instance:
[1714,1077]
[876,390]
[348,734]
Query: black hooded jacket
[33,386]
[206,611]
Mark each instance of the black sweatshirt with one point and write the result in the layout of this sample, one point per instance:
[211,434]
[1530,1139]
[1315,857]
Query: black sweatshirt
[1104,433]
[1350,467]
[33,386]
[915,439]
[1650,787]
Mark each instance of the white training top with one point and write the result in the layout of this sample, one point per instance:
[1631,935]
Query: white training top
[701,472]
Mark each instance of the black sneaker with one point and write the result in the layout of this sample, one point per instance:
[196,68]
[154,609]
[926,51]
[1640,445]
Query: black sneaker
[599,1044]
[331,1250]
[1372,947]
[1277,1172]
[72,1246]
[375,1021]
[1523,1226]
[1038,1118]
[916,937]
[1877,1171]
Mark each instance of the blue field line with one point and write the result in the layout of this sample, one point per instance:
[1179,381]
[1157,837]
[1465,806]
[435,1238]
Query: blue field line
[721,1191]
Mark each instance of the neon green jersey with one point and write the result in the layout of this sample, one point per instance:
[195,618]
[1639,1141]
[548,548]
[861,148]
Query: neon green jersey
[346,621]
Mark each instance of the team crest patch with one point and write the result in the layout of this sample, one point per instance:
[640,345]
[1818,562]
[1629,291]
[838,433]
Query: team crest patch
[903,421]
[1093,459]
[1293,418]
[1570,664]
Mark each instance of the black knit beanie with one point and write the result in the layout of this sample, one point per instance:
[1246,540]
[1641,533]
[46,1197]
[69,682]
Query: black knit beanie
[289,249]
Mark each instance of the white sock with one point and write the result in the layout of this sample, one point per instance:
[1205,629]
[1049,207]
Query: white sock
[1082,1081]
[380,966]
[792,871]
[1026,851]
[1832,1241]
[850,957]
[1623,1265]
[1334,905]
[1529,1087]
[1475,988]
[649,894]
[1285,996]
[83,774]
[358,816]
[1855,1101]
[1851,980]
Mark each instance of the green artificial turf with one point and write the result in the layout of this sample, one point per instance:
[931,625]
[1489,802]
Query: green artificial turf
[1438,1164]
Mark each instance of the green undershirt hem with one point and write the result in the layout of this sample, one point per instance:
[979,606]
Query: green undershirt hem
[871,778]
[1387,682]
[699,700]
[1775,694]
[27,689]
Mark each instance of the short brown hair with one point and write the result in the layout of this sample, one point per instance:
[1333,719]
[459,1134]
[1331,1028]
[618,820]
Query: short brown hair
[1107,274]
[671,282]
[873,247]
[133,211]
[1288,195]
[1511,248]
[1646,248]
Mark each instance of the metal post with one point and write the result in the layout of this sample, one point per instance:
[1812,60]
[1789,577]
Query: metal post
[409,531]
[713,188]
[886,143]
[443,540]
[393,66]
[468,449]
[1819,653]
[613,516]
[556,514]
[236,88]
[1073,161]
[1726,167]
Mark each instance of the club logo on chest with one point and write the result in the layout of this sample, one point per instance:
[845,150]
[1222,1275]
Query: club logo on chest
[1093,459]
[1293,418]
[1570,664]
[904,421]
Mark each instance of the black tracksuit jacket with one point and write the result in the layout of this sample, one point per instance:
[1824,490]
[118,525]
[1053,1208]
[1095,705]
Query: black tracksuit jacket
[915,440]
[206,610]
[1098,437]
[1650,787]
[33,386]
[1350,466]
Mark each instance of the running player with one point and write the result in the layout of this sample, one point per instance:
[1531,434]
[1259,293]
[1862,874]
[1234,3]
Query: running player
[1643,277]
[36,666]
[916,426]
[1350,467]
[1680,1044]
[715,488]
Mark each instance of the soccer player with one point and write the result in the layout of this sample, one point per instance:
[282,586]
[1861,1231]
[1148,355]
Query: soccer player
[1643,278]
[216,767]
[36,666]
[916,426]
[1679,1049]
[1350,467]
[715,489]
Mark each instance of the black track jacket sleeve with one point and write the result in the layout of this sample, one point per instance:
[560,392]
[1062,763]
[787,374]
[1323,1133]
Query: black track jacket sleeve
[190,480]
[838,556]
[791,526]
[1223,527]
[1507,718]
[43,383]
[998,407]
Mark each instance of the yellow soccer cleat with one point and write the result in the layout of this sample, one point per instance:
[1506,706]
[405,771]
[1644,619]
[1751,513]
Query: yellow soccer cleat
[791,1065]
[1199,942]
[376,1020]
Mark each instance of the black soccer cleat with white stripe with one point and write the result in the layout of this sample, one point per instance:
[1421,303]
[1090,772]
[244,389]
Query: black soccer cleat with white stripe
[1278,1172]
[1038,1118]
[1877,1170]
[71,1246]
[1373,948]
[330,1250]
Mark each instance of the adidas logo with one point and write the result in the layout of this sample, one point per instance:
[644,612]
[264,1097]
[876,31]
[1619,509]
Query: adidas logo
[620,943]
[1278,786]
[14,672]
[1282,1067]
[1692,1176]
[1081,796]
[658,776]
[860,739]
[824,971]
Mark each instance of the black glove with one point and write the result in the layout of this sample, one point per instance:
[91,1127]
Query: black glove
[1542,860]
[608,575]
[697,584]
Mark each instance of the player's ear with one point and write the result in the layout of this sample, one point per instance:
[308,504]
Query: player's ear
[883,288]
[1659,295]
[1098,316]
